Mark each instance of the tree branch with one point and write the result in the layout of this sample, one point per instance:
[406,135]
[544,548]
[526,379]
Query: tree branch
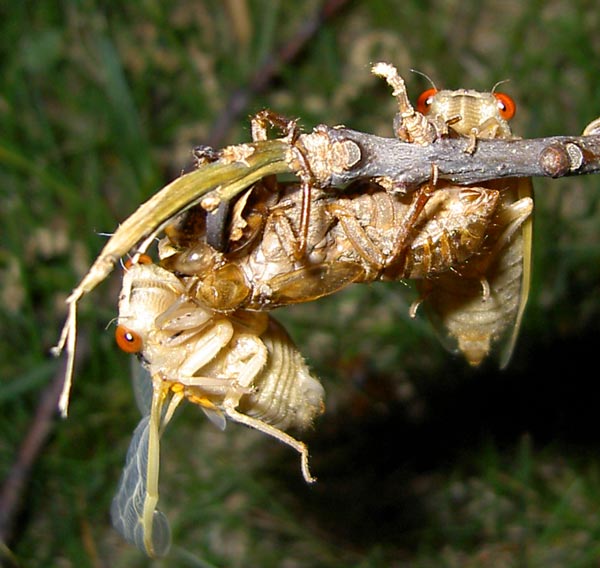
[408,165]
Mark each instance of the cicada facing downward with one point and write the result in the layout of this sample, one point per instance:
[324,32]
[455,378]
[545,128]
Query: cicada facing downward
[242,367]
[479,304]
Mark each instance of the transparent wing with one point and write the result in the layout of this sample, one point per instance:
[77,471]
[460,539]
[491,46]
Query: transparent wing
[216,417]
[142,386]
[133,510]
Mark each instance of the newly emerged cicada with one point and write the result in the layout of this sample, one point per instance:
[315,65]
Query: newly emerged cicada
[479,305]
[241,366]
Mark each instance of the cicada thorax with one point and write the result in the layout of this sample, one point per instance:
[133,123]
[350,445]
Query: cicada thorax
[448,230]
[185,251]
[466,112]
[478,305]
[263,267]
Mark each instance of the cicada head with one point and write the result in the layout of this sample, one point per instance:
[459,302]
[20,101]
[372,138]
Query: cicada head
[464,110]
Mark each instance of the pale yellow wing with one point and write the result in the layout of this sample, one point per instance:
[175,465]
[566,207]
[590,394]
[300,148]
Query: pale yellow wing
[525,189]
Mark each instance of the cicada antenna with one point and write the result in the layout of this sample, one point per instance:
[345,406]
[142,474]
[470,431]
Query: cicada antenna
[498,84]
[426,77]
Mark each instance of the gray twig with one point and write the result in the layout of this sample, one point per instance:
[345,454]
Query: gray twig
[407,165]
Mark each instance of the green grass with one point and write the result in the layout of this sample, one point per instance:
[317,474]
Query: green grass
[421,461]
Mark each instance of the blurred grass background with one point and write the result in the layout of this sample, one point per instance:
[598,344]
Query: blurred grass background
[421,461]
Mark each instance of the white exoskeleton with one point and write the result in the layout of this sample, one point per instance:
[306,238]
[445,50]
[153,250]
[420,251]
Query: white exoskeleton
[242,366]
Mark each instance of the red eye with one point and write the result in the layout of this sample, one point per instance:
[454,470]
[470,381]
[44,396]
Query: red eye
[128,340]
[424,100]
[506,106]
[142,259]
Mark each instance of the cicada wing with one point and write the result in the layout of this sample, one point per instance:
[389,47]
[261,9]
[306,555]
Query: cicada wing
[216,417]
[445,300]
[524,191]
[141,381]
[133,509]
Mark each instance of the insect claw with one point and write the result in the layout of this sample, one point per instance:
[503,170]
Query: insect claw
[472,145]
[304,464]
[486,292]
[409,124]
[414,306]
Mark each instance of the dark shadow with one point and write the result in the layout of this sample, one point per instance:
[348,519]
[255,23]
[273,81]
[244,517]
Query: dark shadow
[373,470]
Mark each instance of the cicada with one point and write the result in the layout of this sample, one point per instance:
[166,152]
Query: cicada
[242,366]
[479,304]
[352,238]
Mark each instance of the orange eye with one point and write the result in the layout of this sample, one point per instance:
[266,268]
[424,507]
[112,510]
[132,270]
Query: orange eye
[142,259]
[424,100]
[506,106]
[128,340]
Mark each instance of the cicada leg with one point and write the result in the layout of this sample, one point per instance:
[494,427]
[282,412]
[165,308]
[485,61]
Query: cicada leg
[394,260]
[260,123]
[231,412]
